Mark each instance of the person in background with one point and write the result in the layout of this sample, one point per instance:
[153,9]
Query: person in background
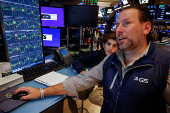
[97,37]
[168,34]
[135,79]
[162,34]
[89,40]
[109,45]
[87,35]
[155,33]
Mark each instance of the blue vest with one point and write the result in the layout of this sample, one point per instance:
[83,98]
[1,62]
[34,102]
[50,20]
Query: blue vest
[141,89]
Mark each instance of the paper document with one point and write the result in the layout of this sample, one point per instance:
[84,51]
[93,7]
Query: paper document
[51,78]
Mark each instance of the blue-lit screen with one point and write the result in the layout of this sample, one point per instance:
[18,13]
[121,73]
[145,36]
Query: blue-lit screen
[152,10]
[52,17]
[102,28]
[51,37]
[22,32]
[117,14]
[63,52]
[163,12]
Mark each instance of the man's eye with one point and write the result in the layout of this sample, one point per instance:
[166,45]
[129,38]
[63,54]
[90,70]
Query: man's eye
[126,23]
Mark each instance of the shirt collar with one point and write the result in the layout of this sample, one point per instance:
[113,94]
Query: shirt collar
[120,54]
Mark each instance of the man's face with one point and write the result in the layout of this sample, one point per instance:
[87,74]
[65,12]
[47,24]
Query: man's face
[129,31]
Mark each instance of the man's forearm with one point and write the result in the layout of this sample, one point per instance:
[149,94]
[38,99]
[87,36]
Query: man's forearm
[54,90]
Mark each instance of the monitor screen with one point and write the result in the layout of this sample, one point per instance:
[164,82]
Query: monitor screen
[74,36]
[117,14]
[51,37]
[152,10]
[21,27]
[163,12]
[52,17]
[84,15]
[102,28]
[63,51]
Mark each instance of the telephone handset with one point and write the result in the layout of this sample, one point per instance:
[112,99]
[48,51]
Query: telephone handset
[58,57]
[62,56]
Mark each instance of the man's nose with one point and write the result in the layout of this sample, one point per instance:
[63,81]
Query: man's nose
[119,29]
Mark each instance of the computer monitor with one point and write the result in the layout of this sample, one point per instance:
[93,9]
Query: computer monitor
[52,17]
[74,36]
[163,12]
[84,15]
[51,37]
[117,14]
[21,33]
[102,28]
[152,10]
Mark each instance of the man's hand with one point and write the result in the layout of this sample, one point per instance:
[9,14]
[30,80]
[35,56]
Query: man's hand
[33,93]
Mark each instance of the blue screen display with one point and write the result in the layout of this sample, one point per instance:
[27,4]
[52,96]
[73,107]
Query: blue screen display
[152,10]
[163,12]
[117,14]
[63,52]
[51,37]
[22,33]
[52,17]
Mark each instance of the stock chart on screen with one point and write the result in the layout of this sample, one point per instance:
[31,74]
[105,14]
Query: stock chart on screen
[22,32]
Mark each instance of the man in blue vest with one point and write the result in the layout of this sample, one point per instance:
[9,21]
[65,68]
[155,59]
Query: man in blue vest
[135,79]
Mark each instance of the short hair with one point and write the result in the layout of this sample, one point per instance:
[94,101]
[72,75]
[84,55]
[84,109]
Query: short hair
[105,38]
[144,16]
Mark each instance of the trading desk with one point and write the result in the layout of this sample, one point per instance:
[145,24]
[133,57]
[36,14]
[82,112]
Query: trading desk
[50,103]
[43,105]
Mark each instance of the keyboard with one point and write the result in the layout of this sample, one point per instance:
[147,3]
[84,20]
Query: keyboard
[39,70]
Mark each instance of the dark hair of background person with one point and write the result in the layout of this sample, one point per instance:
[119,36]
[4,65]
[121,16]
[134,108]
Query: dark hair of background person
[105,39]
[144,16]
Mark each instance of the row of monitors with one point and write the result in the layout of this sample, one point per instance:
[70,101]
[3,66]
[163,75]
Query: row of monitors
[52,36]
[74,15]
[21,34]
[158,12]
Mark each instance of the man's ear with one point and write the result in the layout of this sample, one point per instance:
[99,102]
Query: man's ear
[147,28]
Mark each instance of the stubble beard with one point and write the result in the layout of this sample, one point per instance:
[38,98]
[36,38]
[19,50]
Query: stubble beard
[126,45]
[130,43]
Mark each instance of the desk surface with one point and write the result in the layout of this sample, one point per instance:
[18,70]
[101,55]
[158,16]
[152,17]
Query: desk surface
[36,106]
[39,105]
